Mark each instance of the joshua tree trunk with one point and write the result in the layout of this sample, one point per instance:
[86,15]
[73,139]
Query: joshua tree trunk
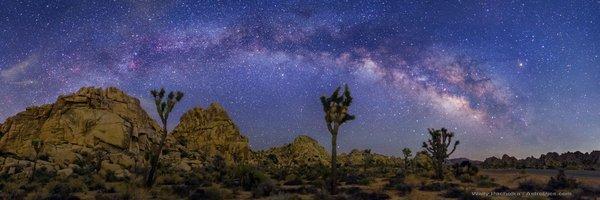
[34,165]
[155,158]
[439,170]
[334,162]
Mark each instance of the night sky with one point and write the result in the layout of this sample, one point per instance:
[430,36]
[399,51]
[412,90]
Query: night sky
[521,78]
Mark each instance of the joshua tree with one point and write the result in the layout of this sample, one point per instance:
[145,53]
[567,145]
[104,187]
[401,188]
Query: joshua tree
[164,108]
[37,146]
[437,146]
[407,154]
[367,159]
[336,113]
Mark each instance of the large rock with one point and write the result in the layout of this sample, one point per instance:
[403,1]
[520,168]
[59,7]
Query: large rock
[210,133]
[360,158]
[302,151]
[81,122]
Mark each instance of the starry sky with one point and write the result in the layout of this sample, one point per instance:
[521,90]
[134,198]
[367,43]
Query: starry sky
[514,77]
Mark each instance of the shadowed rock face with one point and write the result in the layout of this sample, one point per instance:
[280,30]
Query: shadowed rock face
[210,132]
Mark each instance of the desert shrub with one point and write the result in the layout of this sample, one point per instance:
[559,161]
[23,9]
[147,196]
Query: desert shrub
[13,191]
[465,178]
[357,193]
[172,179]
[454,192]
[322,195]
[310,172]
[589,191]
[44,157]
[94,183]
[485,182]
[403,188]
[266,188]
[464,168]
[65,189]
[561,181]
[285,197]
[248,177]
[292,180]
[42,175]
[86,164]
[211,193]
[530,186]
[398,178]
[436,186]
[358,179]
[502,189]
[182,190]
[193,179]
[111,176]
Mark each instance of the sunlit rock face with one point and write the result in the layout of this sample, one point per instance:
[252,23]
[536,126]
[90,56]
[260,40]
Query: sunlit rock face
[210,132]
[78,126]
[88,118]
[303,151]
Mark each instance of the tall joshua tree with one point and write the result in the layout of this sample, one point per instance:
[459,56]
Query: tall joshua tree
[336,114]
[437,146]
[37,146]
[407,154]
[164,108]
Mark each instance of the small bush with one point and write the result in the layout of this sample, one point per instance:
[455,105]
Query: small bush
[292,180]
[465,178]
[530,186]
[64,189]
[264,189]
[436,186]
[248,177]
[403,188]
[211,193]
[182,190]
[111,176]
[486,182]
[454,192]
[502,189]
[357,193]
[561,181]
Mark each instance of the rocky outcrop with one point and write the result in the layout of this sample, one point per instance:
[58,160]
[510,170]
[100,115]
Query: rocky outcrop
[77,125]
[362,158]
[303,151]
[551,160]
[210,132]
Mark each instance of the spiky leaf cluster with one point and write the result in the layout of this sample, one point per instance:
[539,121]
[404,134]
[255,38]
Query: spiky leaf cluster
[37,145]
[165,106]
[439,142]
[336,107]
[407,152]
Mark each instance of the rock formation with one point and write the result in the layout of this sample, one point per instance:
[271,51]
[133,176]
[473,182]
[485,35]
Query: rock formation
[78,124]
[210,132]
[358,158]
[551,160]
[303,151]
